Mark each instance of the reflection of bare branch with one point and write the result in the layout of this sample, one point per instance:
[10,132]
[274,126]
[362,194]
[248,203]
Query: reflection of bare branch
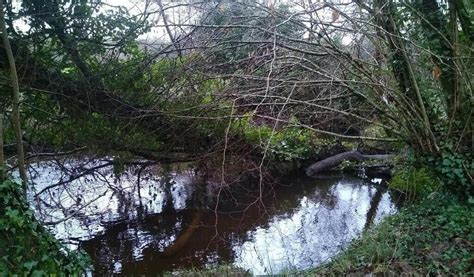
[85,172]
[75,212]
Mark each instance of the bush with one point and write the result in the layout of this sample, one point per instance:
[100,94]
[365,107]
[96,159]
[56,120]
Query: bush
[286,144]
[26,248]
[455,168]
[415,182]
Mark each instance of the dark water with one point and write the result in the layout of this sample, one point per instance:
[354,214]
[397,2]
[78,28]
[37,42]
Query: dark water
[151,228]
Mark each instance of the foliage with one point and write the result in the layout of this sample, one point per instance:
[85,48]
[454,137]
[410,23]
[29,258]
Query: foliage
[415,182]
[288,143]
[47,125]
[26,248]
[221,270]
[433,237]
[428,57]
[48,122]
[94,28]
[452,166]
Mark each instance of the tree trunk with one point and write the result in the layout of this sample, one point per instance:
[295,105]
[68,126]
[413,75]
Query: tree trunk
[335,160]
[404,72]
[2,160]
[16,100]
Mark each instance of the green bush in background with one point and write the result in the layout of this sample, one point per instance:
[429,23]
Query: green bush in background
[289,143]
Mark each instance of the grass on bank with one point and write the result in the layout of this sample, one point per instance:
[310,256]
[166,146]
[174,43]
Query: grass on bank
[434,236]
[220,270]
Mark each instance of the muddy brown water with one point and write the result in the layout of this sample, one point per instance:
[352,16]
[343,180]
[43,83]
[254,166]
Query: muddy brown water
[150,228]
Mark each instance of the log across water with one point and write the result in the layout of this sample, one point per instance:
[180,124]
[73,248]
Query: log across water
[335,160]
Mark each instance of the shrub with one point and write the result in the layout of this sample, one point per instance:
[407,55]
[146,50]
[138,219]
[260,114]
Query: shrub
[415,182]
[289,143]
[26,248]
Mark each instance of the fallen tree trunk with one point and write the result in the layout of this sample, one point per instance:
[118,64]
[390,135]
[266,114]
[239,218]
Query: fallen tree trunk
[335,160]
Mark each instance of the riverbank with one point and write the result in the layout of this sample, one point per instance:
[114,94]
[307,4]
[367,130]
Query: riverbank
[431,237]
[434,236]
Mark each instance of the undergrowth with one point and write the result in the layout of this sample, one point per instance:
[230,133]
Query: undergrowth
[416,183]
[221,270]
[26,248]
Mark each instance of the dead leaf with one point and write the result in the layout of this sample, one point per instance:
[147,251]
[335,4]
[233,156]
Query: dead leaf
[436,72]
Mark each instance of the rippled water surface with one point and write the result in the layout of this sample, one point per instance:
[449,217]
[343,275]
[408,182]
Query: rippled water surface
[154,223]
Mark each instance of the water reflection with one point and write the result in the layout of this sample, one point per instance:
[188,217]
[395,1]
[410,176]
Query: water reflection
[298,225]
[78,198]
[322,225]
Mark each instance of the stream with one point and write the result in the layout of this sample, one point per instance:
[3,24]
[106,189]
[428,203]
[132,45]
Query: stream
[145,220]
